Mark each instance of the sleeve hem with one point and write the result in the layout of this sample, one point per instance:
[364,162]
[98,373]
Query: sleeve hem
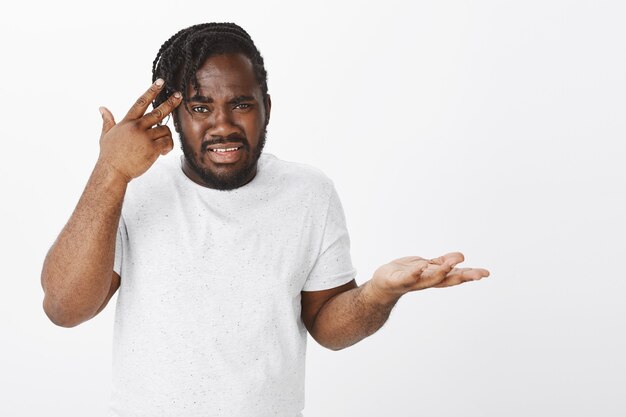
[331,282]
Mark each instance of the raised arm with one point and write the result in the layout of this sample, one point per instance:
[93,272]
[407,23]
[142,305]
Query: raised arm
[77,275]
[342,316]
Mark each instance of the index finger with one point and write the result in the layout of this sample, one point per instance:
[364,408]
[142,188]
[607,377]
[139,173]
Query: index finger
[158,114]
[141,105]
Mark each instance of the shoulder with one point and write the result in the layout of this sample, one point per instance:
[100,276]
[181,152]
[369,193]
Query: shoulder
[300,176]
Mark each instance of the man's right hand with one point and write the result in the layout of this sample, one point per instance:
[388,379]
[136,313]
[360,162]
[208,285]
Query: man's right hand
[131,146]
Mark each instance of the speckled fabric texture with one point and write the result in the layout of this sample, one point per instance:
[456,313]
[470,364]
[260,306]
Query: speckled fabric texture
[208,311]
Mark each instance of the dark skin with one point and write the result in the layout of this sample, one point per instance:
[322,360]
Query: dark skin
[227,112]
[216,111]
[77,275]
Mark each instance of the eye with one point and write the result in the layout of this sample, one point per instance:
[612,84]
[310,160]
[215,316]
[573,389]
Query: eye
[243,106]
[200,109]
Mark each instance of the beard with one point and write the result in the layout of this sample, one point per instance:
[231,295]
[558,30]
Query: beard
[224,181]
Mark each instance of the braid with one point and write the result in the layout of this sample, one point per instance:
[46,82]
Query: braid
[163,47]
[180,57]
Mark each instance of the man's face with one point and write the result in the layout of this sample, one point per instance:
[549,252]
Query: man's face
[223,133]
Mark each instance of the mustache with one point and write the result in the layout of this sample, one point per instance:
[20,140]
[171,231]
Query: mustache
[216,140]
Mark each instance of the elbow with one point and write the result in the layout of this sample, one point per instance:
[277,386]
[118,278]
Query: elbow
[61,305]
[59,316]
[62,323]
[334,348]
[334,345]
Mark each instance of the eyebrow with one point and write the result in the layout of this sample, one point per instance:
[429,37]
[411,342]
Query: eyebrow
[235,100]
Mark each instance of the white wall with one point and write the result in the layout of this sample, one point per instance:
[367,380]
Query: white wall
[491,127]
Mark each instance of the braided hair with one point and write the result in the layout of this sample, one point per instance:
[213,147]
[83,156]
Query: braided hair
[184,53]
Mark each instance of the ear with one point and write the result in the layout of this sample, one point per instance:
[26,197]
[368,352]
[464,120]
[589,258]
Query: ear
[268,108]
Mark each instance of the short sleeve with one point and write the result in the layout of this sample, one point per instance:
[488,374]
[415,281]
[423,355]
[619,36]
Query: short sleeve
[333,266]
[119,247]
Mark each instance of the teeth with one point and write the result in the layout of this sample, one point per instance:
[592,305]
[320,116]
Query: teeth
[224,150]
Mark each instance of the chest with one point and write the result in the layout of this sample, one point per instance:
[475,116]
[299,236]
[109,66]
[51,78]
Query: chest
[187,245]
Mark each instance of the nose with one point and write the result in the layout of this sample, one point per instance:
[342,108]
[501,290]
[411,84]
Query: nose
[221,123]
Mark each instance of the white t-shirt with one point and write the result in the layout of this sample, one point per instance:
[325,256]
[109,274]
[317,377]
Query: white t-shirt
[208,311]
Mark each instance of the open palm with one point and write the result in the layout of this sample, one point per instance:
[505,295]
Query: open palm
[413,273]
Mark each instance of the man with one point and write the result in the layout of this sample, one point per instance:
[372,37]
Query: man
[225,258]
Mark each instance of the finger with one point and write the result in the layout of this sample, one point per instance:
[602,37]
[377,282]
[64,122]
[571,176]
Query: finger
[482,272]
[461,275]
[440,268]
[440,274]
[141,105]
[450,259]
[164,144]
[159,132]
[158,114]
[108,121]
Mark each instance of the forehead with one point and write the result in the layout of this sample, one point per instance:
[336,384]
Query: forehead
[226,74]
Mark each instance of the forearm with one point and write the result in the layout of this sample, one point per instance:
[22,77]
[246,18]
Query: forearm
[78,269]
[351,316]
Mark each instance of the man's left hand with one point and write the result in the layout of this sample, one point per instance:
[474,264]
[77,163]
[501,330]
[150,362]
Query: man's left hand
[413,273]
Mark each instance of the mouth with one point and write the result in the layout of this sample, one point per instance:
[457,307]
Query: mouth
[225,150]
[225,153]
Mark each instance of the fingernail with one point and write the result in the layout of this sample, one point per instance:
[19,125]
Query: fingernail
[159,82]
[101,111]
[177,94]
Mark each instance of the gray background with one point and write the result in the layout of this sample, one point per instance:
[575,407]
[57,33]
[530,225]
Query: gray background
[491,127]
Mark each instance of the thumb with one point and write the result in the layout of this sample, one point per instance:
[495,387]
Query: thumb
[108,121]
